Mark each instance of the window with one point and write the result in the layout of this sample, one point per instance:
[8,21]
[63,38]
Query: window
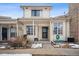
[55,28]
[58,28]
[13,32]
[29,30]
[35,12]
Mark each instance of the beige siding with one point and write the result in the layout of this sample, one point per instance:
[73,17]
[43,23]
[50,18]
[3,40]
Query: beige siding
[44,13]
[27,13]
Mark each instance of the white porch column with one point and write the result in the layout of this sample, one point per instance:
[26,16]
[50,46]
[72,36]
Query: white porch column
[51,31]
[17,28]
[68,29]
[24,29]
[9,32]
[36,31]
[33,29]
[65,30]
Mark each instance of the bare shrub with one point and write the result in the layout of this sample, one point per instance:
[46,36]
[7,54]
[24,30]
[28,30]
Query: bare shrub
[21,41]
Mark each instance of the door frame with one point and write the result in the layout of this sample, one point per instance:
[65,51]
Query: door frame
[61,35]
[6,33]
[47,28]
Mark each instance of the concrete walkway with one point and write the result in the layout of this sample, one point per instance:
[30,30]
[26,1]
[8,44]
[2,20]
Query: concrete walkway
[42,51]
[47,50]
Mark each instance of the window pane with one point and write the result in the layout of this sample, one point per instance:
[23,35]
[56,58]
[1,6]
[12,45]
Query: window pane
[35,12]
[58,28]
[38,13]
[29,30]
[13,32]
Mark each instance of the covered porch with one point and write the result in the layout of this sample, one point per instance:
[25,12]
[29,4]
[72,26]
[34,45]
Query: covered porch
[45,29]
[7,30]
[36,29]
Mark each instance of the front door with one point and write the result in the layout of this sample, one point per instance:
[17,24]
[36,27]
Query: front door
[4,33]
[45,32]
[58,31]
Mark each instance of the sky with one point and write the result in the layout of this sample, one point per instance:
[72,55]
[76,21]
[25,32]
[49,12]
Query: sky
[13,9]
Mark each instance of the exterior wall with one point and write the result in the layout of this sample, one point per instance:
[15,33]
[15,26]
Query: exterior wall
[74,22]
[38,23]
[48,23]
[66,27]
[8,30]
[45,13]
[38,28]
[27,13]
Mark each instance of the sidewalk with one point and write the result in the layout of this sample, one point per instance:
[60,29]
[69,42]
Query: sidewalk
[47,50]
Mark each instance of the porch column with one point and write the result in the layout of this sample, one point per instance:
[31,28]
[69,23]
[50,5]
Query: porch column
[68,29]
[51,31]
[33,29]
[65,30]
[9,32]
[36,31]
[17,27]
[0,32]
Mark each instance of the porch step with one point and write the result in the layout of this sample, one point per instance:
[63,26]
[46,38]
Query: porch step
[43,42]
[46,44]
[5,43]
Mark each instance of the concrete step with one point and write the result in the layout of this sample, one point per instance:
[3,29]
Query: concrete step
[46,44]
[43,42]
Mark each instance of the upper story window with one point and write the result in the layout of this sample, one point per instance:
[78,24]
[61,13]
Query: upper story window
[35,12]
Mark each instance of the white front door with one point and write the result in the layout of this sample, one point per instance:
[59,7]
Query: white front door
[58,31]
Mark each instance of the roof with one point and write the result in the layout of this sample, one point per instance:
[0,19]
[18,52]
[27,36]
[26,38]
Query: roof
[64,17]
[5,17]
[37,5]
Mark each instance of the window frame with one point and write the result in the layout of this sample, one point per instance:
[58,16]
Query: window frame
[13,32]
[30,30]
[59,28]
[35,12]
